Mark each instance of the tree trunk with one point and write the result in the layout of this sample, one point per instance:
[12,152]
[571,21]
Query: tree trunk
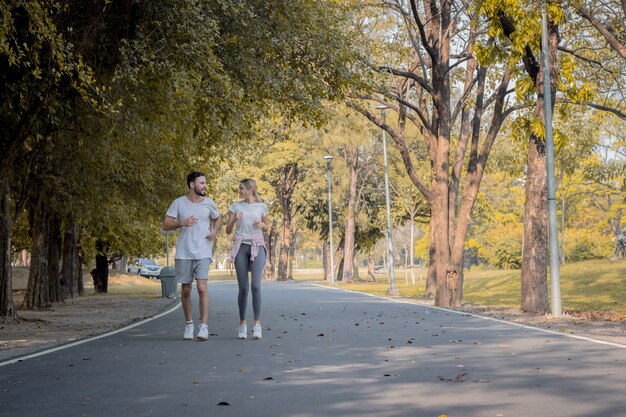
[326,261]
[285,245]
[355,266]
[534,280]
[340,270]
[350,222]
[79,284]
[284,187]
[38,290]
[7,307]
[292,251]
[68,254]
[431,275]
[272,236]
[54,256]
[534,288]
[100,273]
[370,266]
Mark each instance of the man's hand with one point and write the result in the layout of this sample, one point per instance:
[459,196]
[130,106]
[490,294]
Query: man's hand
[189,222]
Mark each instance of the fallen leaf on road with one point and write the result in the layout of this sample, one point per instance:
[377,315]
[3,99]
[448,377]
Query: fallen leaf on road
[460,377]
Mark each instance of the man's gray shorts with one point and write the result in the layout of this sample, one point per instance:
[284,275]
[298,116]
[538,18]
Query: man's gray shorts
[186,270]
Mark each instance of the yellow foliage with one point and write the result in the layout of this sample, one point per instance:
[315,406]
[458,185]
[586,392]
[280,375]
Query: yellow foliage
[523,87]
[538,128]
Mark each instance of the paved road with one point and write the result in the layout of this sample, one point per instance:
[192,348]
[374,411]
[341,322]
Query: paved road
[325,352]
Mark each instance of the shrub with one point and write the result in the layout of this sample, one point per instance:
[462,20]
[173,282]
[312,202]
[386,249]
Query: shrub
[584,244]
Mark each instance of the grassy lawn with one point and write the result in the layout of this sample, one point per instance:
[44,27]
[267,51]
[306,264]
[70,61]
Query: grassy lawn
[589,286]
[120,285]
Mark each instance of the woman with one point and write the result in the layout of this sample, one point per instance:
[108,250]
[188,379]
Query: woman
[249,253]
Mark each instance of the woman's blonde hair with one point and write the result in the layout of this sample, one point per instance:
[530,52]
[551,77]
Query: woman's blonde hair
[250,185]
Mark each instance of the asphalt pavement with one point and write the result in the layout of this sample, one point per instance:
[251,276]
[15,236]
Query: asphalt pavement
[324,352]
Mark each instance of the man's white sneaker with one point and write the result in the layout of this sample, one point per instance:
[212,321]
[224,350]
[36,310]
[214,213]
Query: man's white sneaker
[188,331]
[203,333]
[256,332]
[243,331]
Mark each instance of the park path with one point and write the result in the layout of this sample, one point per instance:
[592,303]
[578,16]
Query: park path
[325,352]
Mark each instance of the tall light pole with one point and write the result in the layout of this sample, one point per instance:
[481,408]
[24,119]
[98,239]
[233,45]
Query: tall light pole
[392,278]
[555,274]
[328,159]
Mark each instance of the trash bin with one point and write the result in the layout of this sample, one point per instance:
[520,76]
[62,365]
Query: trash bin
[168,282]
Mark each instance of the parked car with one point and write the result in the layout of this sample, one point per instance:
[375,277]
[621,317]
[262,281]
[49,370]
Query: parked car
[145,268]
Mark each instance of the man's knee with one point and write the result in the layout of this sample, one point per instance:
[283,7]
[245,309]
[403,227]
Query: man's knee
[185,291]
[201,286]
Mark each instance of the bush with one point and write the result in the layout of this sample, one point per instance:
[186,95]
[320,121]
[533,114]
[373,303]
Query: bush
[501,246]
[585,244]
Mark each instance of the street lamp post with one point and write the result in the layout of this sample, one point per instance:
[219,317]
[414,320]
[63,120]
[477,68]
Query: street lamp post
[555,273]
[392,279]
[328,159]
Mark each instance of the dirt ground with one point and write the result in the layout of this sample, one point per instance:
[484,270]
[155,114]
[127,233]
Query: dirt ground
[96,314]
[597,326]
[81,317]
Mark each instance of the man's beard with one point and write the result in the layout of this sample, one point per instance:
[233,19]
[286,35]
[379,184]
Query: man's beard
[200,193]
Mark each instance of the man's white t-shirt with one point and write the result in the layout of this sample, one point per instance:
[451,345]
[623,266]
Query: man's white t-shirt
[251,213]
[192,242]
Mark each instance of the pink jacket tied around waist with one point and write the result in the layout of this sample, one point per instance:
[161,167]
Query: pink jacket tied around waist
[257,242]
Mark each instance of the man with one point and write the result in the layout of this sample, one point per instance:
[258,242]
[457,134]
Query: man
[198,220]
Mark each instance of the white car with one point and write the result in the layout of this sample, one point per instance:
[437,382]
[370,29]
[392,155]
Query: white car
[145,268]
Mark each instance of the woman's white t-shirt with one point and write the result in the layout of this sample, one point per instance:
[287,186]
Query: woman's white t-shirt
[250,213]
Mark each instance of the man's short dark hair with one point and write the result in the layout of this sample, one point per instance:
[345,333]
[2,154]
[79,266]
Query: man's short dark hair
[193,176]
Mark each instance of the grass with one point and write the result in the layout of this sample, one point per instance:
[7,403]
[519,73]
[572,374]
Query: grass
[590,287]
[120,285]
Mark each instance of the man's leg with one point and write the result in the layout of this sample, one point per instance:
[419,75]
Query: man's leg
[203,295]
[185,298]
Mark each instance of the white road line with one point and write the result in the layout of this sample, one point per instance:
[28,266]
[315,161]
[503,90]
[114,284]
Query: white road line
[524,326]
[80,342]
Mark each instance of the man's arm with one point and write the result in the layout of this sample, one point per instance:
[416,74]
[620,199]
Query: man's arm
[171,223]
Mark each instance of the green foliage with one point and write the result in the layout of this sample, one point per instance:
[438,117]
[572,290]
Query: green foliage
[501,245]
[585,244]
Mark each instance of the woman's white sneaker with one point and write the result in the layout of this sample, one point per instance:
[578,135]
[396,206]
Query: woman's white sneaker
[243,331]
[203,333]
[188,331]
[256,332]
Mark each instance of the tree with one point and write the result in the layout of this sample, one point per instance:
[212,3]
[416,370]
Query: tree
[605,16]
[420,86]
[188,80]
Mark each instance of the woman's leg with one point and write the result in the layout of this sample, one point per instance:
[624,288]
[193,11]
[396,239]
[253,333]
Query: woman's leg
[257,267]
[242,260]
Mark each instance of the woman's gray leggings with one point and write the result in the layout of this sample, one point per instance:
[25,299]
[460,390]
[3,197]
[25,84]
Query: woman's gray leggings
[256,267]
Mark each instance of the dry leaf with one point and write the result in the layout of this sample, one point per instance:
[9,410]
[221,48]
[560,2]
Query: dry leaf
[460,377]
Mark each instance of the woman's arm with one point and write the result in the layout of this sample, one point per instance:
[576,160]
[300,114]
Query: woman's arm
[230,223]
[264,224]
